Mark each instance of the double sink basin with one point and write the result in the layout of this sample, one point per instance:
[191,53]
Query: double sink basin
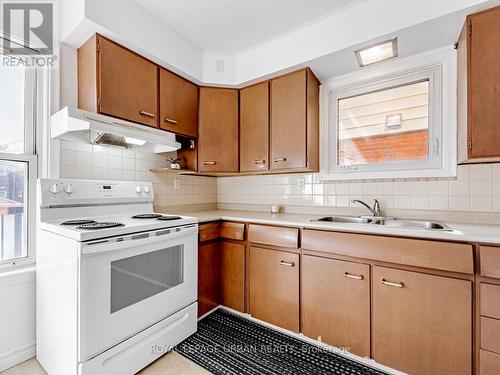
[386,222]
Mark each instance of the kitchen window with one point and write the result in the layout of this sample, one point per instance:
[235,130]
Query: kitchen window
[397,120]
[18,170]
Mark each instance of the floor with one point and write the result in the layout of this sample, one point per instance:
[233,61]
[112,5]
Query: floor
[170,364]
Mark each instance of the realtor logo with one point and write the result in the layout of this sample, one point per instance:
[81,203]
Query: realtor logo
[27,28]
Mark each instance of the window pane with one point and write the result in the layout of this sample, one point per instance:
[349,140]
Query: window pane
[13,221]
[12,82]
[390,125]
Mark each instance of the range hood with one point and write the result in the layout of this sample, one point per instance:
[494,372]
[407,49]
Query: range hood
[76,125]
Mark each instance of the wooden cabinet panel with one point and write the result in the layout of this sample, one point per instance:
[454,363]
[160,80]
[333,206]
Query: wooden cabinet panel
[446,256]
[254,128]
[178,104]
[489,363]
[490,334]
[233,275]
[218,130]
[232,231]
[490,300]
[484,106]
[274,236]
[422,324]
[209,231]
[490,261]
[127,84]
[335,303]
[274,287]
[288,121]
[208,277]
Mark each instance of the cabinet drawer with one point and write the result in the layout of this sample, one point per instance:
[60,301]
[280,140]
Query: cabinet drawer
[490,261]
[209,231]
[490,334]
[232,231]
[274,236]
[444,256]
[489,363]
[490,300]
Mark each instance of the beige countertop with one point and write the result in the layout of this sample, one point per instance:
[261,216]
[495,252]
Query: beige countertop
[486,234]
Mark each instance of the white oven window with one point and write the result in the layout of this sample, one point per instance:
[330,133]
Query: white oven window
[142,276]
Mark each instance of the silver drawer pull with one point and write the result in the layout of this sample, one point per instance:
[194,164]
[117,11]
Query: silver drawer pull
[397,285]
[279,159]
[259,161]
[288,264]
[148,114]
[170,121]
[209,162]
[356,277]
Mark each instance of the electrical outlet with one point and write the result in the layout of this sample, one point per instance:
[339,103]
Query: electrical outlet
[177,184]
[301,183]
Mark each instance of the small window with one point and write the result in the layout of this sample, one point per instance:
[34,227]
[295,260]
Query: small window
[399,124]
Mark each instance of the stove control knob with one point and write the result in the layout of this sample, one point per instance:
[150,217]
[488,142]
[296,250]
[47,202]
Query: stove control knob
[68,188]
[54,189]
[146,189]
[138,189]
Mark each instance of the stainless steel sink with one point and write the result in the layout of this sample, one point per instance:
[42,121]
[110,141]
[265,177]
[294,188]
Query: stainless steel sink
[345,219]
[386,222]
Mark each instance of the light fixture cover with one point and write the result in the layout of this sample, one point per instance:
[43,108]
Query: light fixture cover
[377,53]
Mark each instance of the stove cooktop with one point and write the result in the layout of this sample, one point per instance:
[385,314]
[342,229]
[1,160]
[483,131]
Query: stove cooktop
[78,222]
[102,225]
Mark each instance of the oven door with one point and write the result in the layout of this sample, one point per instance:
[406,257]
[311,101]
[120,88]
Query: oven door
[129,283]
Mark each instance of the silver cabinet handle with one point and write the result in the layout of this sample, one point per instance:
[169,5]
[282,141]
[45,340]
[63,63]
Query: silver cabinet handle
[148,114]
[397,285]
[288,264]
[170,121]
[259,162]
[279,159]
[209,162]
[356,277]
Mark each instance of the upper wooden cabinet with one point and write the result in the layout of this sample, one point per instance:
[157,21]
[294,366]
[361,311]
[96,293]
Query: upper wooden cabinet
[115,81]
[479,84]
[254,128]
[218,130]
[295,121]
[178,104]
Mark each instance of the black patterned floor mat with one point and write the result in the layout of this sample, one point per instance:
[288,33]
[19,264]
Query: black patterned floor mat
[227,344]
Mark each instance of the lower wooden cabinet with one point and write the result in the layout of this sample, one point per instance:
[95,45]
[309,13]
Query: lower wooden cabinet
[208,277]
[421,324]
[489,363]
[232,275]
[274,287]
[335,303]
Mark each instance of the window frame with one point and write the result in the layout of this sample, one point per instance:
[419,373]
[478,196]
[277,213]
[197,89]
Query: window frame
[439,68]
[30,158]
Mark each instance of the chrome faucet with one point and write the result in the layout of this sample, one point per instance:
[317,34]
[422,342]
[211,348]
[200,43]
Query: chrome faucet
[376,212]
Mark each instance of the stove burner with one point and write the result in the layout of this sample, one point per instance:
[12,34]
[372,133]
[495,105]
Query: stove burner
[146,216]
[102,225]
[78,222]
[168,218]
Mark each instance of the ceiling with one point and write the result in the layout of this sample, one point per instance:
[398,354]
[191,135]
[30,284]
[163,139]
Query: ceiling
[233,26]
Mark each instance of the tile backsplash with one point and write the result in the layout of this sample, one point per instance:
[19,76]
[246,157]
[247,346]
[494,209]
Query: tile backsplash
[87,161]
[476,189]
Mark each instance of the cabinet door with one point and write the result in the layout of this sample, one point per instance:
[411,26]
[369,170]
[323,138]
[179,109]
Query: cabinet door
[254,128]
[274,287]
[218,130]
[484,84]
[422,324]
[178,104]
[127,84]
[335,303]
[208,277]
[288,121]
[233,275]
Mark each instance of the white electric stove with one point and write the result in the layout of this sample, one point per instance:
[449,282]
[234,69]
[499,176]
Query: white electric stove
[114,279]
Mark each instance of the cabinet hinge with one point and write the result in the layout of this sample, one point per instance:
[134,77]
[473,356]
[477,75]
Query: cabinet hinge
[98,46]
[99,102]
[470,29]
[470,145]
[307,160]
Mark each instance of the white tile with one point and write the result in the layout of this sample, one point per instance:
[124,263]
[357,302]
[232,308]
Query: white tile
[385,188]
[342,188]
[459,203]
[355,188]
[65,145]
[98,149]
[318,189]
[115,174]
[129,164]
[129,175]
[330,200]
[439,202]
[496,171]
[419,188]
[402,188]
[496,203]
[481,172]
[343,201]
[329,189]
[68,157]
[99,160]
[402,201]
[114,151]
[481,203]
[420,202]
[83,147]
[67,171]
[478,187]
[459,187]
[99,173]
[318,200]
[496,187]
[437,188]
[463,172]
[386,201]
[370,188]
[115,162]
[83,172]
[83,159]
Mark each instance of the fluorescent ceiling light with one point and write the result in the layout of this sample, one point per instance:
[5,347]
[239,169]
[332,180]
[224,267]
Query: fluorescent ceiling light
[134,141]
[377,53]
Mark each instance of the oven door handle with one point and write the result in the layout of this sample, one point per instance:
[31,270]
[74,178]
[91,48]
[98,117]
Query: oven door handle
[99,248]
